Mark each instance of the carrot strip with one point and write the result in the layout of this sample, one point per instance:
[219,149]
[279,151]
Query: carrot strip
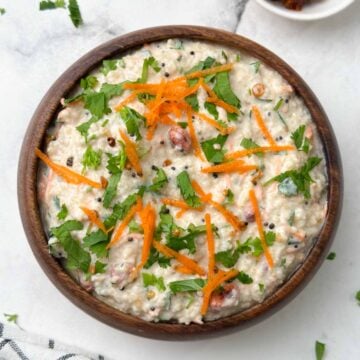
[194,141]
[212,284]
[148,219]
[260,149]
[183,270]
[228,215]
[184,260]
[229,108]
[126,101]
[131,153]
[94,218]
[68,175]
[180,204]
[166,120]
[260,121]
[213,70]
[120,229]
[215,124]
[232,166]
[211,246]
[180,213]
[259,223]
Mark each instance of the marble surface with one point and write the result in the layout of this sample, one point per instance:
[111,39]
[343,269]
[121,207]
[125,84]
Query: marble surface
[36,47]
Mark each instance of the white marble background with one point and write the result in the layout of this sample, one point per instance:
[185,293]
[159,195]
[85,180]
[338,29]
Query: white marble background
[36,47]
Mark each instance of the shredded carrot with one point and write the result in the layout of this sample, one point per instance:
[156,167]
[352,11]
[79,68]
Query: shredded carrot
[232,166]
[212,284]
[166,120]
[126,101]
[120,229]
[131,153]
[68,175]
[213,70]
[183,270]
[180,213]
[215,124]
[184,260]
[228,215]
[211,246]
[148,219]
[259,223]
[260,121]
[260,149]
[180,204]
[194,140]
[94,218]
[229,108]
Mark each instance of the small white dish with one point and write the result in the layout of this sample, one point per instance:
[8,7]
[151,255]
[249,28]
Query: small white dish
[316,9]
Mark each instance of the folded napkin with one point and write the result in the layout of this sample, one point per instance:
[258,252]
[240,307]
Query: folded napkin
[16,344]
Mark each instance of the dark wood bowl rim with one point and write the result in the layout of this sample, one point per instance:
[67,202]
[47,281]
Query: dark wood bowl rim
[27,192]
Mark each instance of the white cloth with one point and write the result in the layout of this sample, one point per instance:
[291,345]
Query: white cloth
[16,344]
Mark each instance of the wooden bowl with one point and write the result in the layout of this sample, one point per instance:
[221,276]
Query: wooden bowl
[29,208]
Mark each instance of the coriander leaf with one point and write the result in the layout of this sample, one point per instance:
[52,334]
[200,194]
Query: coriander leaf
[189,285]
[74,13]
[74,98]
[63,213]
[211,108]
[228,258]
[145,97]
[331,256]
[111,90]
[248,143]
[152,280]
[319,350]
[120,210]
[111,189]
[244,278]
[186,189]
[154,257]
[49,5]
[184,242]
[134,227]
[213,148]
[91,158]
[256,65]
[108,65]
[132,120]
[193,101]
[301,143]
[116,163]
[83,128]
[99,267]
[223,89]
[11,318]
[97,241]
[261,287]
[2,11]
[223,53]
[202,65]
[294,182]
[89,82]
[97,104]
[76,256]
[229,197]
[159,181]
[357,296]
[149,62]
[254,244]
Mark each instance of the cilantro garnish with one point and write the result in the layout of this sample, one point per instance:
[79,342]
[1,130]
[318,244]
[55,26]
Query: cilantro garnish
[63,213]
[186,189]
[154,257]
[213,148]
[76,256]
[357,296]
[149,62]
[223,89]
[108,65]
[74,12]
[132,120]
[135,227]
[2,11]
[279,104]
[229,197]
[12,318]
[97,241]
[111,90]
[152,280]
[159,181]
[319,350]
[294,182]
[331,256]
[97,104]
[189,285]
[211,108]
[84,128]
[256,65]
[302,143]
[244,278]
[49,5]
[91,158]
[89,82]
